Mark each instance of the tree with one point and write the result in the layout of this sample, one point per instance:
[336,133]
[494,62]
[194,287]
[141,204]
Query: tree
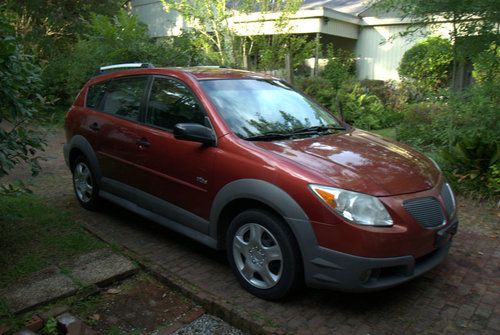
[47,28]
[20,99]
[212,21]
[111,40]
[479,19]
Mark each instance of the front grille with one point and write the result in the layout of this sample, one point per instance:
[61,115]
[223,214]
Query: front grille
[449,202]
[426,211]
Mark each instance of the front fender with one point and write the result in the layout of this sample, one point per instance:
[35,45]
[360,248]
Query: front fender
[272,196]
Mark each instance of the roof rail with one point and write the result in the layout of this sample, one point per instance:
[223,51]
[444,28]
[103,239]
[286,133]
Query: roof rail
[103,69]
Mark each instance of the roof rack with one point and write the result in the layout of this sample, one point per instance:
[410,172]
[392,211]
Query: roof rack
[103,69]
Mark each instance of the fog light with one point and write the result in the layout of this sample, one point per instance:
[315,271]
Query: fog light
[365,276]
[368,275]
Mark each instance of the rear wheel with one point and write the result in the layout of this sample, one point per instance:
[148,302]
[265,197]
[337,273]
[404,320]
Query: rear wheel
[84,184]
[263,254]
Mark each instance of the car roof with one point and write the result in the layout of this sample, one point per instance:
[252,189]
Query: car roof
[197,72]
[216,72]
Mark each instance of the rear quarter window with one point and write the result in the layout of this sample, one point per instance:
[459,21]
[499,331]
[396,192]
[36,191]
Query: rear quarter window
[94,95]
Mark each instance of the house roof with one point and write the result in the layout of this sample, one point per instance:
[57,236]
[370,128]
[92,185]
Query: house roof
[351,7]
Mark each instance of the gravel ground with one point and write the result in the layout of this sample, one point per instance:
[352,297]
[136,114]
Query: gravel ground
[208,325]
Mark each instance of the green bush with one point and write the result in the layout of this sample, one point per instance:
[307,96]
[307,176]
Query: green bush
[487,65]
[20,103]
[341,67]
[357,105]
[319,89]
[461,131]
[427,64]
[121,39]
[424,125]
[364,109]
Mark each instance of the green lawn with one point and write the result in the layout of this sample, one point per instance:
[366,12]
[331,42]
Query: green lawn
[34,236]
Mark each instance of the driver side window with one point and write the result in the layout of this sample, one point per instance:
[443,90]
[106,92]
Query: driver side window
[170,103]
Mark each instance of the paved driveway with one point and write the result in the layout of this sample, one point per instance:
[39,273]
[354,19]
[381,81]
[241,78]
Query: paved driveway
[462,296]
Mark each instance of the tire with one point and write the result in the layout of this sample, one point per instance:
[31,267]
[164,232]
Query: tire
[85,184]
[264,254]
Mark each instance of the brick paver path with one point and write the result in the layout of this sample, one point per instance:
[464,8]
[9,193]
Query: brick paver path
[462,296]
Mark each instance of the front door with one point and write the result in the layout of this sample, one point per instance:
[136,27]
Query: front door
[176,171]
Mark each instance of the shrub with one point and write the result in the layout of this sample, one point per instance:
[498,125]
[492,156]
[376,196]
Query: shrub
[423,125]
[359,107]
[121,39]
[364,109]
[20,102]
[341,67]
[474,144]
[427,63]
[462,133]
[487,65]
[319,89]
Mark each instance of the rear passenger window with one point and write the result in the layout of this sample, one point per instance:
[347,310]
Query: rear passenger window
[170,103]
[123,97]
[94,95]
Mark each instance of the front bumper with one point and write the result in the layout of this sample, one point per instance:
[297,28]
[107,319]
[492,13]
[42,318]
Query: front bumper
[326,268]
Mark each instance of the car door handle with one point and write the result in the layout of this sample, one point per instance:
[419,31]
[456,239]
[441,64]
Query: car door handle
[143,142]
[94,126]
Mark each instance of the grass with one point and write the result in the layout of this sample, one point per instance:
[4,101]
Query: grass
[34,236]
[387,132]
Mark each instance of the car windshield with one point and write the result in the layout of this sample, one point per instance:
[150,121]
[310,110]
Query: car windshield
[255,108]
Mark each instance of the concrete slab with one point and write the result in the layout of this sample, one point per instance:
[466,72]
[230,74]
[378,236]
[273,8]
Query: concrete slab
[101,268]
[42,287]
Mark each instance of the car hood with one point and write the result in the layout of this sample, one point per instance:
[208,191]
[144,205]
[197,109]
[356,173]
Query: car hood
[361,161]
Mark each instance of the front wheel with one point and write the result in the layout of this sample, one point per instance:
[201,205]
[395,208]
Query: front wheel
[85,185]
[263,254]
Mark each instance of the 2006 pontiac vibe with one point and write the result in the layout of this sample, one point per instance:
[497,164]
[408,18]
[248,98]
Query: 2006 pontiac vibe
[241,161]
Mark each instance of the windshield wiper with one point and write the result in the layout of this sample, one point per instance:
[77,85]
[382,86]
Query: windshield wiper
[269,137]
[317,129]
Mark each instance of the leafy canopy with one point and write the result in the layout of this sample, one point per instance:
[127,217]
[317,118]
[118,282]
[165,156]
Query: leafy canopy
[20,101]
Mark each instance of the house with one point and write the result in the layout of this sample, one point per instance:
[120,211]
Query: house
[349,24]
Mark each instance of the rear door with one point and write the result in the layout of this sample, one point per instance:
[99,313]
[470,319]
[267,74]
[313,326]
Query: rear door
[121,151]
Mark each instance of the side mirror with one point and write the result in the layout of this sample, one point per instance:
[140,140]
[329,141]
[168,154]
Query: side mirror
[194,132]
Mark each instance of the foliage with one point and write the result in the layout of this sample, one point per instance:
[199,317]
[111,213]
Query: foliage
[462,130]
[427,63]
[487,65]
[20,102]
[364,109]
[47,28]
[341,66]
[50,327]
[357,105]
[477,18]
[120,39]
[213,22]
[270,51]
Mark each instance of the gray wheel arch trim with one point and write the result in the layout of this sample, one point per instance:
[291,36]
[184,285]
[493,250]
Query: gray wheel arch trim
[272,196]
[79,142]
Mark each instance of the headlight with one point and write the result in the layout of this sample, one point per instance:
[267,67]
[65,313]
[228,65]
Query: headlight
[356,207]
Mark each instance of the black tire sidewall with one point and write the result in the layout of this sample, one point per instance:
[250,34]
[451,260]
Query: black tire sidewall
[292,261]
[93,203]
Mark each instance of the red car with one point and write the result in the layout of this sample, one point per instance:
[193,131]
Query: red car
[243,162]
